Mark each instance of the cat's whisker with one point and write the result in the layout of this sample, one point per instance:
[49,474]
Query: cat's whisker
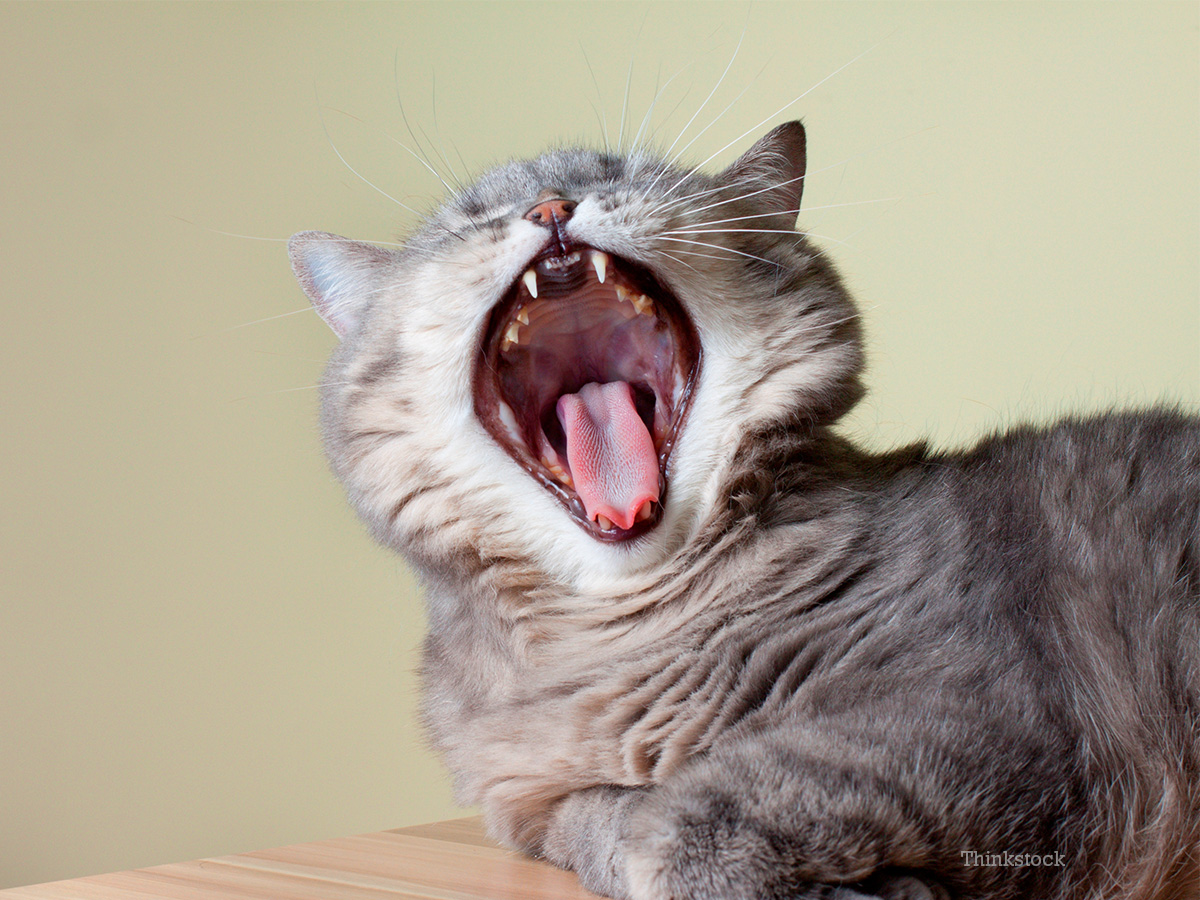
[359,175]
[754,231]
[806,175]
[699,109]
[291,356]
[629,79]
[294,312]
[667,205]
[781,109]
[674,258]
[401,145]
[637,137]
[695,253]
[657,96]
[408,125]
[292,390]
[806,210]
[723,249]
[599,110]
[441,147]
[717,118]
[232,234]
[670,115]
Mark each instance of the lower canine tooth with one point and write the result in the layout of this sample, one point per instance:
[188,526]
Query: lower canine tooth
[508,420]
[604,522]
[646,510]
[530,279]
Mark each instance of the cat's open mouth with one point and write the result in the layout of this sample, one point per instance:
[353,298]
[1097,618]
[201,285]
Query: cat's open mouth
[585,374]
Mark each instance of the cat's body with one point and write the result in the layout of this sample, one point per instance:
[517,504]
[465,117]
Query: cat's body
[792,668]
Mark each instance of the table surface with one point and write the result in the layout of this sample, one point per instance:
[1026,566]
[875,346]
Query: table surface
[450,860]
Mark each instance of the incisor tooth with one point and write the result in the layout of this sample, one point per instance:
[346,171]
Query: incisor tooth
[600,263]
[530,279]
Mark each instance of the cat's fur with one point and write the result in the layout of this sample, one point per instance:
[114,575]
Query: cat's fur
[824,673]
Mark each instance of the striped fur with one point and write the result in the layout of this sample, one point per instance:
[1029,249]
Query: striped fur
[825,673]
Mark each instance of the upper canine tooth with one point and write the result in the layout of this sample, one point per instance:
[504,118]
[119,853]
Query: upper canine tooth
[530,279]
[600,263]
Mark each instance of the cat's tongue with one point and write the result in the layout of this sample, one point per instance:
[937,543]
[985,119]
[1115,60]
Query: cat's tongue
[610,451]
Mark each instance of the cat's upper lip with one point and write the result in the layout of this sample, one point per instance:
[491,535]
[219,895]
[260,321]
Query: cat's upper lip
[580,315]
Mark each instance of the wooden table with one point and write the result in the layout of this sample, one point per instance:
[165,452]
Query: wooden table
[446,861]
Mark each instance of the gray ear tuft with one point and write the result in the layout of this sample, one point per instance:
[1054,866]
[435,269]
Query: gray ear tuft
[339,275]
[771,173]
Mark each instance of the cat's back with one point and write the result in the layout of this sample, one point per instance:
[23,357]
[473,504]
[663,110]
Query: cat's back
[1108,497]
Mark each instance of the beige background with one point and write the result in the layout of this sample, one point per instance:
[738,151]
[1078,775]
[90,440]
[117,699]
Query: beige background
[200,649]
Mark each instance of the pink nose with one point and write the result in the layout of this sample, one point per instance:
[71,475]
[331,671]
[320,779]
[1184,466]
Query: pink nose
[551,212]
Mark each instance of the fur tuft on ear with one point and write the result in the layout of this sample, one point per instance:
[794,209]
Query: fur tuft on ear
[338,275]
[771,173]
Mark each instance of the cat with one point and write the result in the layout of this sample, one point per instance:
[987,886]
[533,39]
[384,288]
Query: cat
[687,640]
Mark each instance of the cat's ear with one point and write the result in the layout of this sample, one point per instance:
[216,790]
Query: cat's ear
[339,275]
[771,173]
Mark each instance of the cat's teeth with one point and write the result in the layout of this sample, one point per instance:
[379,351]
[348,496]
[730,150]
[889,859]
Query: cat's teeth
[530,279]
[509,421]
[600,263]
[511,336]
[604,522]
[523,316]
[642,304]
[645,511]
[563,476]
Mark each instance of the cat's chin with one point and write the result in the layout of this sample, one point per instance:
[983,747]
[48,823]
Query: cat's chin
[584,376]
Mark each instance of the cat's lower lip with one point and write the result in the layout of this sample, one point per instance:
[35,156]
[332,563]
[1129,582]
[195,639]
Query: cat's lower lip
[573,318]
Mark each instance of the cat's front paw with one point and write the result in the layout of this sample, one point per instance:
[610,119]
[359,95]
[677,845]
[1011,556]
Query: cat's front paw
[707,850]
[711,849]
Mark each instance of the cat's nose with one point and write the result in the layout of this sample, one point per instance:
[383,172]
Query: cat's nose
[551,212]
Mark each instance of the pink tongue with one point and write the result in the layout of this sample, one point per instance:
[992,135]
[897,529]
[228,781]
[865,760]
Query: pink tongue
[610,452]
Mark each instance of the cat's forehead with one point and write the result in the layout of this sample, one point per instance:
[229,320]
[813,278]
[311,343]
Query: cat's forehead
[569,171]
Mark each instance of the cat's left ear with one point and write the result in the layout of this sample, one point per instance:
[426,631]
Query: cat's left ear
[339,275]
[771,173]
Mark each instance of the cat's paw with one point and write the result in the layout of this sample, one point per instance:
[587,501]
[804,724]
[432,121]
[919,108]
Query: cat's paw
[707,850]
[903,887]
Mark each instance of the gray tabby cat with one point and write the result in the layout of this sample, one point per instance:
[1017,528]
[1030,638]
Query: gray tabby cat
[689,642]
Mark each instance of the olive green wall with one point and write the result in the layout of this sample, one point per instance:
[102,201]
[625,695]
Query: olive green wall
[200,649]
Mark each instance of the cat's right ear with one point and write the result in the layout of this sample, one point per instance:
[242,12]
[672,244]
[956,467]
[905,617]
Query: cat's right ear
[338,275]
